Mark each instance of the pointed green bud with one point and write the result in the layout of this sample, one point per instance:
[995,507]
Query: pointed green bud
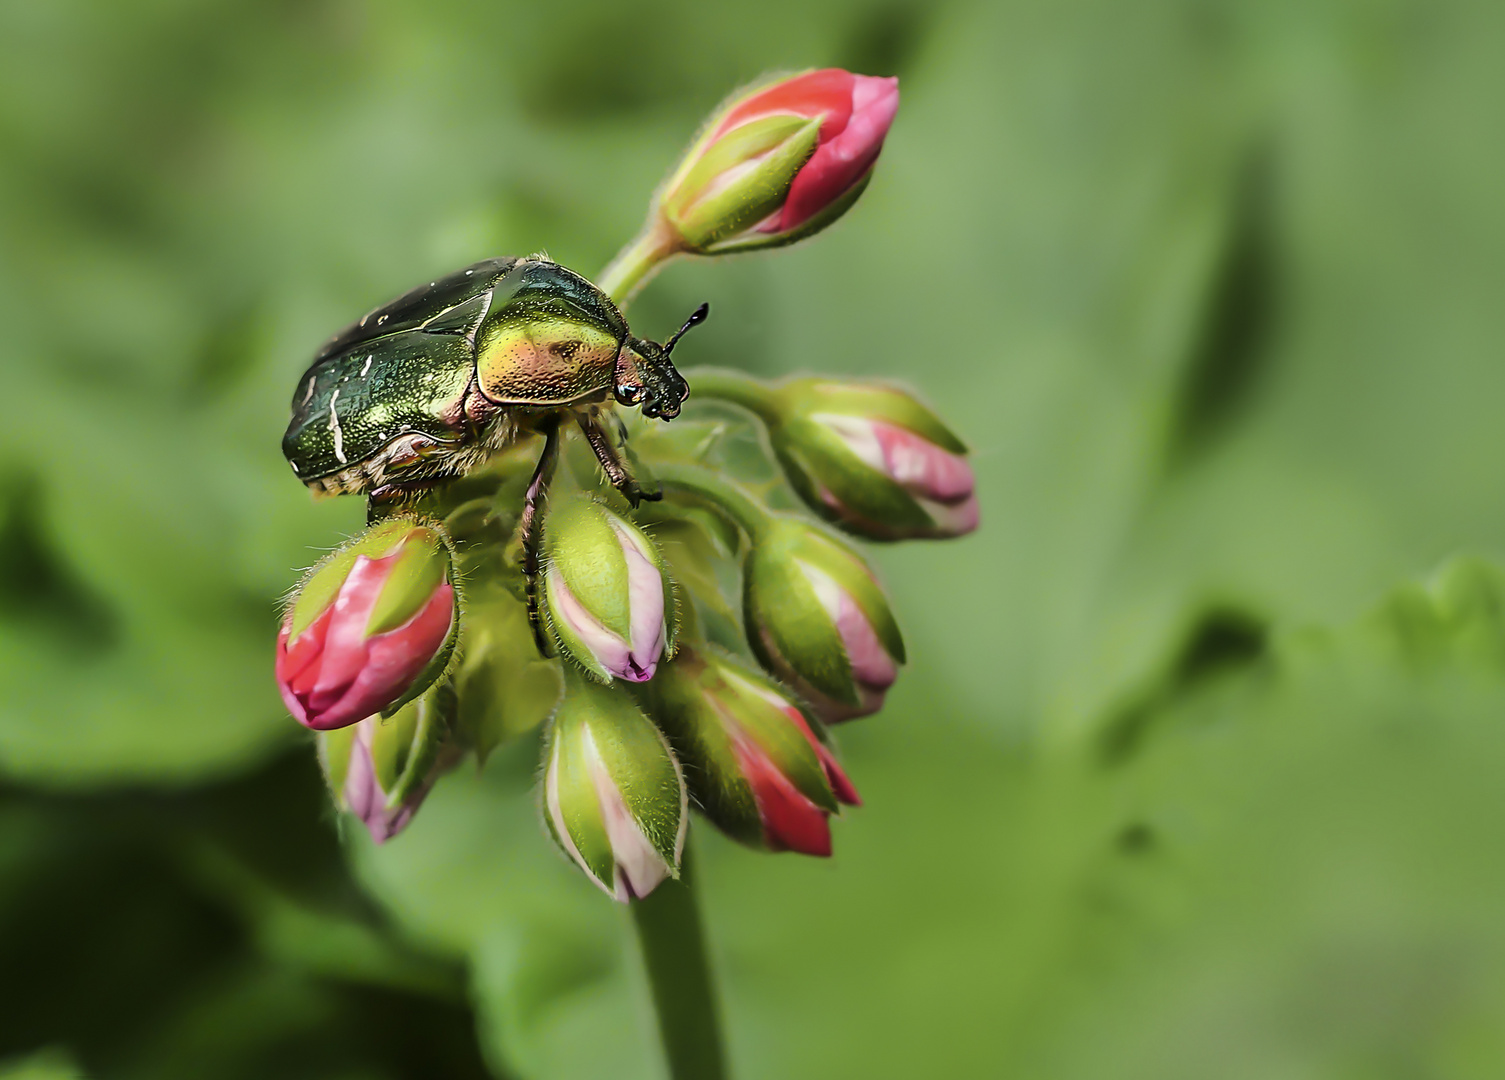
[872,460]
[754,762]
[613,794]
[608,595]
[817,618]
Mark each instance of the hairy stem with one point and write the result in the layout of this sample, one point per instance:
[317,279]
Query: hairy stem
[636,263]
[709,488]
[751,394]
[679,975]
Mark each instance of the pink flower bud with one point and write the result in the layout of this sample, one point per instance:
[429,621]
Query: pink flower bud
[868,457]
[382,769]
[781,161]
[753,762]
[608,598]
[613,794]
[940,482]
[372,626]
[818,620]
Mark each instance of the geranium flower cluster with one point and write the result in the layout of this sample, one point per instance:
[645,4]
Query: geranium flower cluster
[687,651]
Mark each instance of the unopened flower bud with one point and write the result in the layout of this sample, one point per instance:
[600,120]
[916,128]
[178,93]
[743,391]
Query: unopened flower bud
[818,620]
[753,762]
[381,770]
[607,591]
[872,459]
[371,627]
[613,794]
[780,161]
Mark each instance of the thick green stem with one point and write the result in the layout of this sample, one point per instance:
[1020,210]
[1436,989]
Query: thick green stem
[636,263]
[755,396]
[706,486]
[679,974]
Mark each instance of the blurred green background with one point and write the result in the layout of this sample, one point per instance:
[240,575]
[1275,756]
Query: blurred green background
[1196,770]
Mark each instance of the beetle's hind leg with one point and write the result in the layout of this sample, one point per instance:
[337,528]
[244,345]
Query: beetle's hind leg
[530,528]
[610,447]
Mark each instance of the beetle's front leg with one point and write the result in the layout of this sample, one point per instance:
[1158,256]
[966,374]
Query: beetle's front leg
[614,461]
[531,531]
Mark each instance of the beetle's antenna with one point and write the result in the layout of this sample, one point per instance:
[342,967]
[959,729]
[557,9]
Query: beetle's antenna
[698,316]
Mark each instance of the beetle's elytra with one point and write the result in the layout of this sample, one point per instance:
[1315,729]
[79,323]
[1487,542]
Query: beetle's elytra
[428,386]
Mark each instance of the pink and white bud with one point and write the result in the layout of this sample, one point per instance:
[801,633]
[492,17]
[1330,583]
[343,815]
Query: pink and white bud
[818,620]
[607,592]
[613,795]
[939,481]
[380,770]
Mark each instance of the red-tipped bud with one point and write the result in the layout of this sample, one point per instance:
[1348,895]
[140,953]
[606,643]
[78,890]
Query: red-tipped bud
[780,161]
[753,761]
[371,627]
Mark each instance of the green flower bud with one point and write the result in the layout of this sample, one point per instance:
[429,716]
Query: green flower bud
[754,762]
[613,794]
[816,617]
[609,599]
[381,770]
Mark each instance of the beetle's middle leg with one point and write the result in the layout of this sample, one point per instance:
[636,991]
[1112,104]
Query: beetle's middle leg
[531,531]
[613,462]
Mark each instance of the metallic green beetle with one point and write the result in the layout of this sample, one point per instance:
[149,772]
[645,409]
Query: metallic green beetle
[427,387]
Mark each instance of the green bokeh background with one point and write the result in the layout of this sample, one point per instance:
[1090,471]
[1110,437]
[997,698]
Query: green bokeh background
[1196,768]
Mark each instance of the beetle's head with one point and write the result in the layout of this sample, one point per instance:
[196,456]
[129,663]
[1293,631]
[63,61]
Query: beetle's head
[646,376]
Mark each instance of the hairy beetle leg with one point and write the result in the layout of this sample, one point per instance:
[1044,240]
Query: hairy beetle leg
[618,473]
[531,531]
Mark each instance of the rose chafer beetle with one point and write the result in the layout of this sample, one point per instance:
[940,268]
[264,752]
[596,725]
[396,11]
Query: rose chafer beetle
[429,386]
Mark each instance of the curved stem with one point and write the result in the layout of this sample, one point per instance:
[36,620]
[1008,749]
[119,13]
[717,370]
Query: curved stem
[668,927]
[752,394]
[706,486]
[636,263]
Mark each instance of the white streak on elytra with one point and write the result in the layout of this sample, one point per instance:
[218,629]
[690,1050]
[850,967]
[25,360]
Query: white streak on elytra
[336,430]
[310,391]
[367,366]
[381,319]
